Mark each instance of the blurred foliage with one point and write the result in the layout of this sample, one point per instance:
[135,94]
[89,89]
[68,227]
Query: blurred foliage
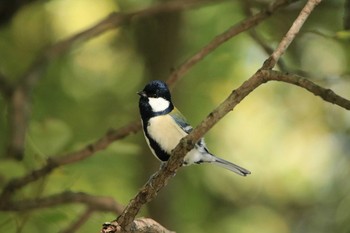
[295,144]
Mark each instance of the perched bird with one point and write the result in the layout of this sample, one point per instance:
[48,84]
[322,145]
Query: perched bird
[164,126]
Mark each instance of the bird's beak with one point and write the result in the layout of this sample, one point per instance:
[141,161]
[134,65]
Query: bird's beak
[142,93]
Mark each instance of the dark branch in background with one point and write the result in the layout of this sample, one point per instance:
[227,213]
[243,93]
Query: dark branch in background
[20,101]
[161,178]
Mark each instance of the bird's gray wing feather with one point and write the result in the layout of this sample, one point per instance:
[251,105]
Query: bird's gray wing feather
[181,121]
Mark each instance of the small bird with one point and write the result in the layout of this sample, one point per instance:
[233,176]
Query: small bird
[164,126]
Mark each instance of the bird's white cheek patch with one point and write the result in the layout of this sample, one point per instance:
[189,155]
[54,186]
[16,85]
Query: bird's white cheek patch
[158,104]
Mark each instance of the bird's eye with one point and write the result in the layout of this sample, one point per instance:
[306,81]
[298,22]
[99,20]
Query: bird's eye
[154,95]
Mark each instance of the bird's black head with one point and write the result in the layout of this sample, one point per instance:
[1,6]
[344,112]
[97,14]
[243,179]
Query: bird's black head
[156,89]
[155,99]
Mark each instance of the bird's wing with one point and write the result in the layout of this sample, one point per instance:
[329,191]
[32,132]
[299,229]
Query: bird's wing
[181,120]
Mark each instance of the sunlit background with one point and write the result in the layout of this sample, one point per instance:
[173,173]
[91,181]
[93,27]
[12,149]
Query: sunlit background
[295,144]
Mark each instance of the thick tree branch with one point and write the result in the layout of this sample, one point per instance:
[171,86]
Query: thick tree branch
[161,178]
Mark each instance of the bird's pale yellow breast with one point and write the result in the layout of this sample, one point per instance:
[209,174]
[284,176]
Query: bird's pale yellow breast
[165,132]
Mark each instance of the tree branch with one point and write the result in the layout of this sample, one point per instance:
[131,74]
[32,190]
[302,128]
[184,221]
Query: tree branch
[161,178]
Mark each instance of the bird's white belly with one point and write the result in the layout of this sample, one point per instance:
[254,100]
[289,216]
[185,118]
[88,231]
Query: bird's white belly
[165,132]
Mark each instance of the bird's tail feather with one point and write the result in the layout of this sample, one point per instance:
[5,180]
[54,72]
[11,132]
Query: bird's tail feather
[231,166]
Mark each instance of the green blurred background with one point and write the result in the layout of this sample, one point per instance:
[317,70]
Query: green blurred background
[295,144]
